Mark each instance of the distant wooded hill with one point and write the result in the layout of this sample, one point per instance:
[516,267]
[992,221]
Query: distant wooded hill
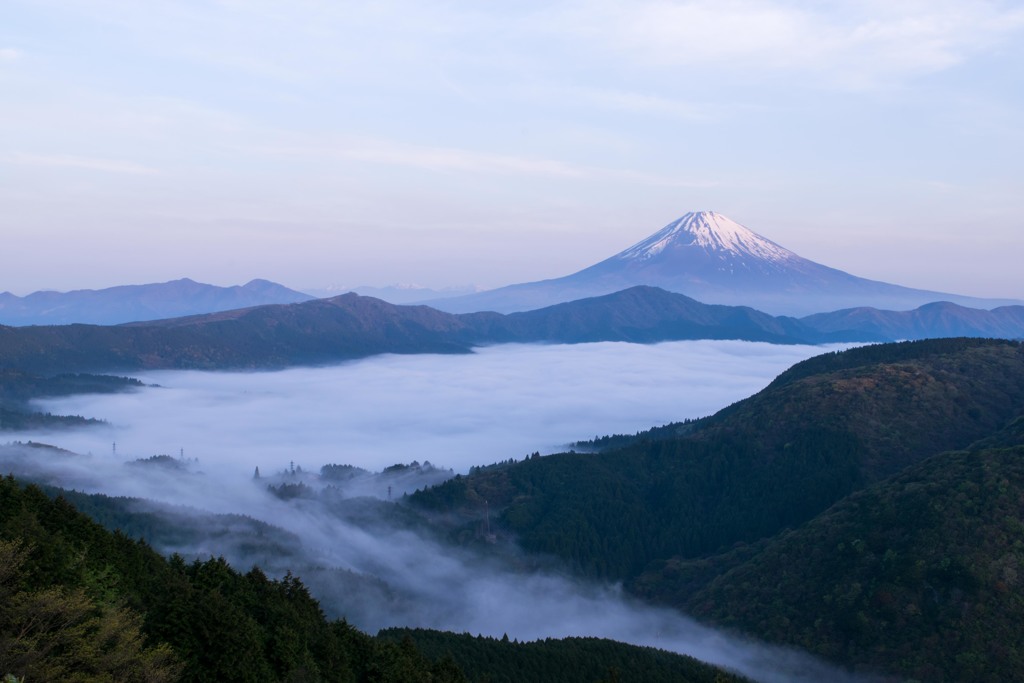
[835,510]
[351,326]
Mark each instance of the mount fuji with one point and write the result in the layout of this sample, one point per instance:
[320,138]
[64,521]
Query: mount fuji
[714,259]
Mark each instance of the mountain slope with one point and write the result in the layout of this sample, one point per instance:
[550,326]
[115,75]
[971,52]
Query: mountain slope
[129,303]
[713,259]
[76,598]
[351,326]
[813,514]
[60,572]
[919,575]
[309,333]
[650,314]
[772,461]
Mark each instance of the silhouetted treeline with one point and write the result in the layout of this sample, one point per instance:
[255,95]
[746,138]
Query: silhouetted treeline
[568,660]
[17,388]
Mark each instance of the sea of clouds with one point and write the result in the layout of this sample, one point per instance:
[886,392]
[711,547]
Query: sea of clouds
[456,412]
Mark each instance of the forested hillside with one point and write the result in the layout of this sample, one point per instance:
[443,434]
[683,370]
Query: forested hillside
[822,430]
[569,660]
[18,388]
[352,326]
[81,603]
[919,574]
[832,511]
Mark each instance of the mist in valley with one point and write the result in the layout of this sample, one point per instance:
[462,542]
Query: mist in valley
[344,531]
[455,411]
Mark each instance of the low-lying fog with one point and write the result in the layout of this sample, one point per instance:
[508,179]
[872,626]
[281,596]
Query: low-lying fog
[454,411]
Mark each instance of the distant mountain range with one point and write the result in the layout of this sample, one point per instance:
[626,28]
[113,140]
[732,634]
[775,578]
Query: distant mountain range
[939,319]
[713,259]
[703,255]
[352,326]
[129,303]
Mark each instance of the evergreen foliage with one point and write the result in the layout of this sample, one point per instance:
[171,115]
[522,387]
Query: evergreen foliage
[17,388]
[919,575]
[114,610]
[770,462]
[117,611]
[569,660]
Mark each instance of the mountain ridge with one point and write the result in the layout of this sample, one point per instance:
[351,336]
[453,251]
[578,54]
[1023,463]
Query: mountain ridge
[713,259]
[351,326]
[940,318]
[129,303]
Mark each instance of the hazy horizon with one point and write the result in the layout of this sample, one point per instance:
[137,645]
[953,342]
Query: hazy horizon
[320,145]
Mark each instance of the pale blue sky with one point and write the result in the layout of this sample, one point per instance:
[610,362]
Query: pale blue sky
[445,143]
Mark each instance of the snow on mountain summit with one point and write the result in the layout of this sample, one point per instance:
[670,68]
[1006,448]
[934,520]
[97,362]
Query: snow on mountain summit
[715,260]
[712,232]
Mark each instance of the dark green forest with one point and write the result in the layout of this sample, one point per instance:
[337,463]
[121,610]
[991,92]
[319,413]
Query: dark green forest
[918,574]
[567,660]
[756,518]
[81,603]
[766,463]
[17,388]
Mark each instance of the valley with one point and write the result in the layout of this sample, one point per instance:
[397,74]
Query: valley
[678,513]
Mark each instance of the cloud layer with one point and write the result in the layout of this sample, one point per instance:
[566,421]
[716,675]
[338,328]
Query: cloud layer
[455,411]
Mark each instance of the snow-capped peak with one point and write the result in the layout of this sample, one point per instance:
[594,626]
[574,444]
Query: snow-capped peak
[714,233]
